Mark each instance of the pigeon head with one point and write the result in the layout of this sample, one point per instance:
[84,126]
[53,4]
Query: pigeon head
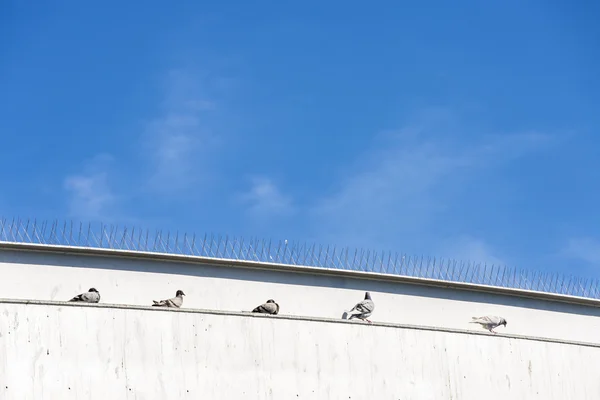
[93,290]
[503,322]
[367,296]
[270,301]
[180,293]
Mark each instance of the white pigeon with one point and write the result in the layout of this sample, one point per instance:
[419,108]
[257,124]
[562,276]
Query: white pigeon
[175,302]
[91,296]
[365,308]
[489,322]
[270,307]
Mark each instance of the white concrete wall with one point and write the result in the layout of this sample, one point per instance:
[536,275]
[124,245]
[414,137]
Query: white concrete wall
[50,352]
[50,276]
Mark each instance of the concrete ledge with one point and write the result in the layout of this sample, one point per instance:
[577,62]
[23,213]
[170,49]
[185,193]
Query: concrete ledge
[249,314]
[189,259]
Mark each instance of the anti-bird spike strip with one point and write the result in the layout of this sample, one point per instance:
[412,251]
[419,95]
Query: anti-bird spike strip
[80,234]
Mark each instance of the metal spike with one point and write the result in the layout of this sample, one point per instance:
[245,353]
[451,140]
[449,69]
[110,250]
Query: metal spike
[15,237]
[122,243]
[26,238]
[454,270]
[553,281]
[268,253]
[27,232]
[12,227]
[63,231]
[366,263]
[276,258]
[219,240]
[167,243]
[203,245]
[303,253]
[240,254]
[185,249]
[589,287]
[569,284]
[360,261]
[311,255]
[263,245]
[225,243]
[34,233]
[351,265]
[193,245]
[177,248]
[395,263]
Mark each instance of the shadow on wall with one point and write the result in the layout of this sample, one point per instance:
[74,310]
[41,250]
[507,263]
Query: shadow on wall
[286,278]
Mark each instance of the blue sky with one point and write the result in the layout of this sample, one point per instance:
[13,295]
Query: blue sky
[465,129]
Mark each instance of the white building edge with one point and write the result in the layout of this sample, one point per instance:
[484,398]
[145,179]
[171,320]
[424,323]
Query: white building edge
[420,346]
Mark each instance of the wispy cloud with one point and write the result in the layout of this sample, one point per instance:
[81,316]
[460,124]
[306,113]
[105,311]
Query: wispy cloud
[585,249]
[90,193]
[265,199]
[176,149]
[180,141]
[394,195]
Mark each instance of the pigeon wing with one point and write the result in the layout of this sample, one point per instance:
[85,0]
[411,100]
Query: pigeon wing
[266,308]
[77,298]
[365,306]
[271,308]
[175,302]
[87,297]
[487,320]
[90,297]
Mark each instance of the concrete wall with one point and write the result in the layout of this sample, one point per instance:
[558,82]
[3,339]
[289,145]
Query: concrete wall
[52,276]
[90,352]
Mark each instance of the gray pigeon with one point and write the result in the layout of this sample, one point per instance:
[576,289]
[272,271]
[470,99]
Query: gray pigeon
[489,322]
[270,307]
[365,308]
[91,296]
[176,301]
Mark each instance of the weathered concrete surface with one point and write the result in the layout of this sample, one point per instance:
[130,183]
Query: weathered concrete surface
[86,352]
[51,276]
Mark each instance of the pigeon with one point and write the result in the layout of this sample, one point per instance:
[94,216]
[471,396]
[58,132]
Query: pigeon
[91,296]
[270,307]
[176,301]
[489,322]
[365,308]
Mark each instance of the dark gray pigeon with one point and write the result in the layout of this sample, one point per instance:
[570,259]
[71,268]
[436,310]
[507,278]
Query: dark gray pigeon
[365,308]
[91,296]
[270,307]
[176,301]
[489,322]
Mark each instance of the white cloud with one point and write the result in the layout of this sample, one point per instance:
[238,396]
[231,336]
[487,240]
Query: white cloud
[264,199]
[585,249]
[179,142]
[176,150]
[394,195]
[90,194]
